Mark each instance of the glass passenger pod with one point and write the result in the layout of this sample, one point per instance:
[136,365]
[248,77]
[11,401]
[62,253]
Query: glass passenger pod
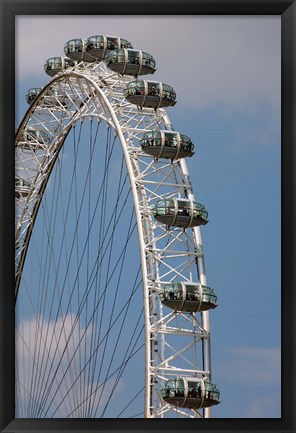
[32,94]
[150,94]
[75,49]
[192,393]
[167,144]
[31,138]
[54,65]
[180,212]
[130,62]
[98,46]
[189,297]
[22,187]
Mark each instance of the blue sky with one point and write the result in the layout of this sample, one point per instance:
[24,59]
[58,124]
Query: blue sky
[226,73]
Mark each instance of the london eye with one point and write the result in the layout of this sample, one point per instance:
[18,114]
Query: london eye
[112,300]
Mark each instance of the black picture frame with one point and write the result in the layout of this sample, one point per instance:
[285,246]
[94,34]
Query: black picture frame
[9,9]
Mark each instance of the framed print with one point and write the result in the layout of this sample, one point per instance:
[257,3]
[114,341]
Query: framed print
[147,206]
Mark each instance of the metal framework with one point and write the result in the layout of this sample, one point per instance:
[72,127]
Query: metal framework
[176,343]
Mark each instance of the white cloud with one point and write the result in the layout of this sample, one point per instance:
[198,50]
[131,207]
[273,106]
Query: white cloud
[251,365]
[48,376]
[42,364]
[208,60]
[263,407]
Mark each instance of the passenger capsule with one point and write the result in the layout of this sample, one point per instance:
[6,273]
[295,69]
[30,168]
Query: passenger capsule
[98,46]
[22,187]
[130,62]
[150,94]
[54,65]
[180,212]
[167,144]
[31,138]
[188,297]
[190,392]
[76,50]
[32,94]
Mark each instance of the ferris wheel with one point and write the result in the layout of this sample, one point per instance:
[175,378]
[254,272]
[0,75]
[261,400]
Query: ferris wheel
[111,293]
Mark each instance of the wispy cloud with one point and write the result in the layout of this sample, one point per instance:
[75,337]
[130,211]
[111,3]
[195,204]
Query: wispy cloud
[251,365]
[50,383]
[264,407]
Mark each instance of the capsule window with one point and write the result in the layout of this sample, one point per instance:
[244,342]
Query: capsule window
[171,388]
[54,63]
[191,293]
[211,391]
[32,94]
[74,46]
[184,208]
[199,210]
[209,295]
[134,57]
[194,390]
[154,89]
[115,57]
[170,205]
[154,138]
[95,42]
[125,44]
[135,88]
[112,43]
[186,143]
[180,388]
[148,59]
[170,139]
[172,292]
[120,57]
[167,92]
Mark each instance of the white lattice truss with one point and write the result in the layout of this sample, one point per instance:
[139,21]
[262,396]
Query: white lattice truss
[167,254]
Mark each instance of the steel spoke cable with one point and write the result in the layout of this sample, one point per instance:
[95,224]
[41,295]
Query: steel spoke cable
[137,415]
[111,375]
[102,228]
[71,332]
[103,212]
[78,311]
[40,317]
[58,265]
[110,243]
[121,328]
[132,400]
[33,361]
[82,304]
[98,280]
[124,358]
[76,207]
[124,363]
[85,329]
[113,306]
[92,144]
[52,221]
[134,290]
[88,228]
[72,372]
[107,156]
